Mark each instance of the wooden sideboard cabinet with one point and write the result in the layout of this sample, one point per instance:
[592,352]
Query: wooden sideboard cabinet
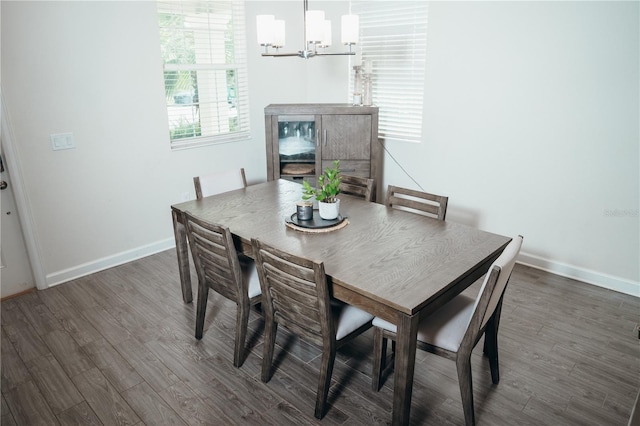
[304,139]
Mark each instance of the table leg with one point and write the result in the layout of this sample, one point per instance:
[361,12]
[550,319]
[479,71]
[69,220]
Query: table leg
[405,360]
[182,250]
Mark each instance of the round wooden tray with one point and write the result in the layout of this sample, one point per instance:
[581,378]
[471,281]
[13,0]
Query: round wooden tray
[298,169]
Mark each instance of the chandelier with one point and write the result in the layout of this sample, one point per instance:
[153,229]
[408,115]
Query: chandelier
[317,34]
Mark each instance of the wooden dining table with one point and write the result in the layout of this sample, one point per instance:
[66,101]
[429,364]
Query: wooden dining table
[394,264]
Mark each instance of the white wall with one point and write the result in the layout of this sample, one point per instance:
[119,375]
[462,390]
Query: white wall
[94,69]
[544,92]
[532,127]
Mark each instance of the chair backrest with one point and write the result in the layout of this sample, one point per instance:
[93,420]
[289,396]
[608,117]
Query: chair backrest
[219,182]
[295,293]
[493,288]
[424,203]
[357,186]
[215,258]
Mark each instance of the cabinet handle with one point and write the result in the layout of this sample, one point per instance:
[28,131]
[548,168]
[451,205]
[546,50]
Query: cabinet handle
[317,137]
[325,137]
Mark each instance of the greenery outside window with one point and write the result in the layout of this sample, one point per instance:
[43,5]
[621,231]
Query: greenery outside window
[203,47]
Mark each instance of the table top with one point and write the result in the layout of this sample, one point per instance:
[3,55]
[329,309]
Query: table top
[397,259]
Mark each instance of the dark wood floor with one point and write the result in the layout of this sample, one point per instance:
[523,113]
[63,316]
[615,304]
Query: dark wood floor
[117,347]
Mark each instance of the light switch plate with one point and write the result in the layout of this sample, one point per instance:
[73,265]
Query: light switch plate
[62,141]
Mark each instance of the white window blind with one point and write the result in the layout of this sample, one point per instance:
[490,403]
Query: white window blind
[203,47]
[393,37]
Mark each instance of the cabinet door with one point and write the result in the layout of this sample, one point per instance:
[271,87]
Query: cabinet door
[346,137]
[294,147]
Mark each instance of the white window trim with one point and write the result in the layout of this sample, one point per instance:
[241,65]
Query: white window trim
[240,65]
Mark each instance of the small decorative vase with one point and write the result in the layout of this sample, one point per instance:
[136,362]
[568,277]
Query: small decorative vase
[367,90]
[329,211]
[304,210]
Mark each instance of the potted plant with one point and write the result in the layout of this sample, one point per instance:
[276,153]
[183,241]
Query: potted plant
[327,191]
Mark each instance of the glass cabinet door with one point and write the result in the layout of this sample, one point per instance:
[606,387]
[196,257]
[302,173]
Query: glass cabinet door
[297,139]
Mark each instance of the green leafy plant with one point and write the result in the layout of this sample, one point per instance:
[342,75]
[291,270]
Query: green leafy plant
[328,185]
[308,192]
[185,129]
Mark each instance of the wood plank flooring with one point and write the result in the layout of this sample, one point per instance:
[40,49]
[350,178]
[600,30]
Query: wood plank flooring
[118,348]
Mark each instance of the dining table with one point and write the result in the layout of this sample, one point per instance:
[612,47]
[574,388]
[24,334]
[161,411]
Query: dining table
[395,264]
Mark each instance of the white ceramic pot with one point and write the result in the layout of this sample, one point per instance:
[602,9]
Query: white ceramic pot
[329,211]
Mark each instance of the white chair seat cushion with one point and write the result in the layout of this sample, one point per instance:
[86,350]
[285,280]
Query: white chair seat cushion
[347,318]
[445,327]
[250,274]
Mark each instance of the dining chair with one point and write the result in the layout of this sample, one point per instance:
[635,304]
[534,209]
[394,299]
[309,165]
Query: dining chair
[296,296]
[220,269]
[357,186]
[420,202]
[454,329]
[219,182]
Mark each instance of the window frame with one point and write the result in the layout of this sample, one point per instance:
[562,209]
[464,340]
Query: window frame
[208,72]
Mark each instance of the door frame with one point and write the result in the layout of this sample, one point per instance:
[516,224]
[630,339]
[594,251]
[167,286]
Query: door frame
[12,165]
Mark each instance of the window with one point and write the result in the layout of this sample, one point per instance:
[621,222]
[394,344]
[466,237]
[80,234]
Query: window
[205,73]
[393,36]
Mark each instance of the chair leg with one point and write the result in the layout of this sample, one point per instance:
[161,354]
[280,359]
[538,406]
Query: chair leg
[379,358]
[242,322]
[270,330]
[491,350]
[491,343]
[492,328]
[463,366]
[328,358]
[203,296]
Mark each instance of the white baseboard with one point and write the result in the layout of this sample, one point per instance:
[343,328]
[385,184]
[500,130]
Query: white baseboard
[599,279]
[108,262]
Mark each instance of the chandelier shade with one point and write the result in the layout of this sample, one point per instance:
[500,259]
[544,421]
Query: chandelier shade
[317,34]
